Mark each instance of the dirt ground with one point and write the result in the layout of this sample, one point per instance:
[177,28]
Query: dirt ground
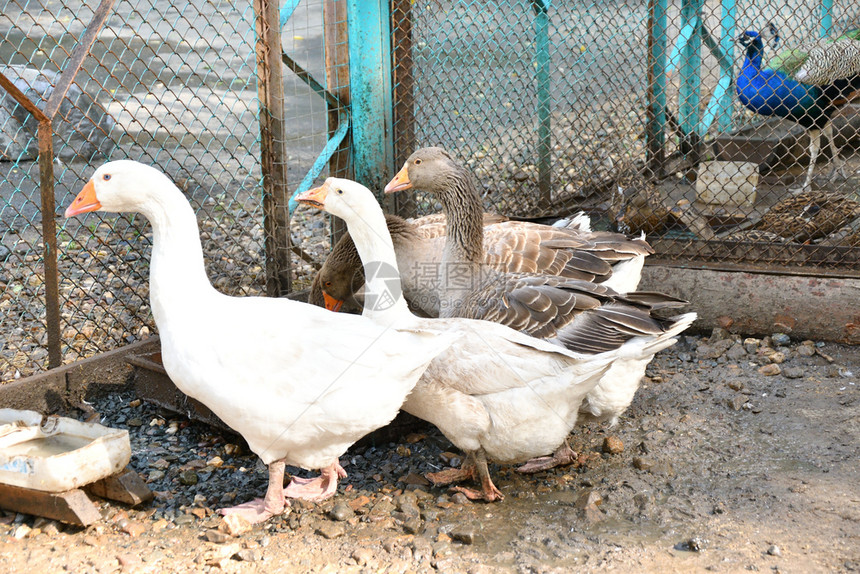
[717,466]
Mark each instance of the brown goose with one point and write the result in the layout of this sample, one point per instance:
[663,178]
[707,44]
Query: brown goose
[497,394]
[544,306]
[571,252]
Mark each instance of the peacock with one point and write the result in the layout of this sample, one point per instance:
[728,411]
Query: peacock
[806,84]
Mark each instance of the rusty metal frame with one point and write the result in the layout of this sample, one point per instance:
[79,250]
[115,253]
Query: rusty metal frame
[46,171]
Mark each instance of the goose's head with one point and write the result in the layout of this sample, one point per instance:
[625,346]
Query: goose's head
[342,198]
[119,186]
[427,169]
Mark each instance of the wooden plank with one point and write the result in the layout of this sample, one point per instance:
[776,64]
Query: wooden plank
[126,487]
[53,390]
[270,89]
[71,507]
[337,82]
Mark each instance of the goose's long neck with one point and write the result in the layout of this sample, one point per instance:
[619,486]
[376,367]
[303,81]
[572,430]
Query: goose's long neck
[178,278]
[463,255]
[383,294]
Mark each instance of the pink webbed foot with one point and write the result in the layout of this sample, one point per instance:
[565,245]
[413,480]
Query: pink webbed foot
[319,488]
[261,509]
[256,511]
[563,455]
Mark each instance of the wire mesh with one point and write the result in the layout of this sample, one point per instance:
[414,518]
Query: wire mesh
[169,84]
[630,111]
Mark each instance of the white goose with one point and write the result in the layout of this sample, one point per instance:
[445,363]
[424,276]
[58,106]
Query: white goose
[299,383]
[495,393]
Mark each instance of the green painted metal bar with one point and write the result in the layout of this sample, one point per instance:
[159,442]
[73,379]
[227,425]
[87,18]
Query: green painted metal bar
[690,68]
[657,72]
[826,18]
[720,107]
[687,31]
[542,60]
[370,91]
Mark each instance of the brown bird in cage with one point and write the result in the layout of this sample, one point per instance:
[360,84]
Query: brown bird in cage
[640,208]
[809,215]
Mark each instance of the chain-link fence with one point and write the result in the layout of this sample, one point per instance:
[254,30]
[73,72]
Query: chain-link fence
[170,84]
[631,112]
[627,110]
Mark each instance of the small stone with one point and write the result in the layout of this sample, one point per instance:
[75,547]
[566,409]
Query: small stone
[135,403]
[135,422]
[188,478]
[184,519]
[216,536]
[215,462]
[331,530]
[403,450]
[592,514]
[155,475]
[751,345]
[134,528]
[793,372]
[769,370]
[249,555]
[359,502]
[613,445]
[413,525]
[780,339]
[21,531]
[736,352]
[234,525]
[774,550]
[736,402]
[719,334]
[362,556]
[450,458]
[383,506]
[128,560]
[806,349]
[641,463]
[341,511]
[218,555]
[691,545]
[736,385]
[415,479]
[589,497]
[459,498]
[464,533]
[776,358]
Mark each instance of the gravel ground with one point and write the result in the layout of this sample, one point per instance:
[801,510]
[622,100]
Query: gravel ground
[737,455]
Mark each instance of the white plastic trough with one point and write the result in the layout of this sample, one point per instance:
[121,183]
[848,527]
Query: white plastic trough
[56,454]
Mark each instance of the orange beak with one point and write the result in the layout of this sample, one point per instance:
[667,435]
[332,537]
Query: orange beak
[400,181]
[85,201]
[314,197]
[331,303]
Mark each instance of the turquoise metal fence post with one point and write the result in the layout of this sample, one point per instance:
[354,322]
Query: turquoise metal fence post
[727,43]
[542,59]
[655,129]
[690,69]
[826,18]
[370,91]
